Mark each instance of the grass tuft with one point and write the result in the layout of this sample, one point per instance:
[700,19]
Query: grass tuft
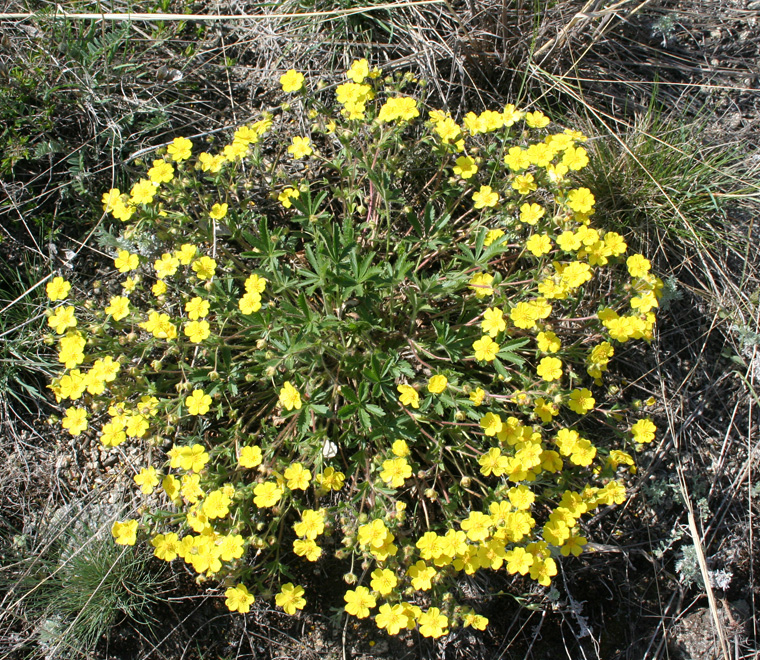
[74,588]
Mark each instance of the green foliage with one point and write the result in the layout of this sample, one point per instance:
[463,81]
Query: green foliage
[368,325]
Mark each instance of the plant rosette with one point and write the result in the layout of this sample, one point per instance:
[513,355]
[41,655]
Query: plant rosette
[377,337]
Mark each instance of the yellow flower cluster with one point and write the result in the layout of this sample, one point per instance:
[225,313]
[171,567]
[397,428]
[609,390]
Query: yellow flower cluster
[199,352]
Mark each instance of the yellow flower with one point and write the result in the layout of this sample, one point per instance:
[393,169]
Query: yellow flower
[297,477]
[197,308]
[311,525]
[581,401]
[437,384]
[111,200]
[186,253]
[539,244]
[400,448]
[519,561]
[165,546]
[159,288]
[267,494]
[465,167]
[383,581]
[403,108]
[573,545]
[548,342]
[422,576]
[63,319]
[204,268]
[477,621]
[166,266]
[250,457]
[255,284]
[290,598]
[359,70]
[143,192]
[433,623]
[524,184]
[359,602]
[638,265]
[493,462]
[307,548]
[493,321]
[580,200]
[575,158]
[492,236]
[57,289]
[330,479]
[161,172]
[250,303]
[550,368]
[391,618]
[517,159]
[198,403]
[146,479]
[409,396]
[291,81]
[287,195]
[300,147]
[125,261]
[530,214]
[491,424]
[124,533]
[485,197]
[289,397]
[180,149]
[239,599]
[75,420]
[545,410]
[511,115]
[542,571]
[218,211]
[485,349]
[536,119]
[216,504]
[481,284]
[476,396]
[197,331]
[643,431]
[395,471]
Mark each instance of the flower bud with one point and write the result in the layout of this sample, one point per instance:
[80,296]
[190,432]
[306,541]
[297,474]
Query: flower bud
[350,578]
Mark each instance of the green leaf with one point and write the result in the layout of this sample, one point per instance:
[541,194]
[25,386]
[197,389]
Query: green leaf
[319,409]
[348,411]
[375,411]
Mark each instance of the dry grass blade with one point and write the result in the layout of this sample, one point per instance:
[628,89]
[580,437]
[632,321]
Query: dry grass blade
[61,14]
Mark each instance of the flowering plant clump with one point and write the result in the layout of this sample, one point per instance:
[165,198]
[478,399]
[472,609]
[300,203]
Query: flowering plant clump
[394,356]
